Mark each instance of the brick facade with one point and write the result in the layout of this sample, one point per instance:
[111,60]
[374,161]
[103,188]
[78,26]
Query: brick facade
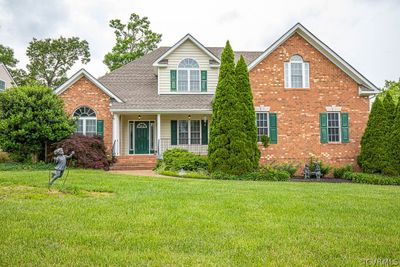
[84,93]
[298,109]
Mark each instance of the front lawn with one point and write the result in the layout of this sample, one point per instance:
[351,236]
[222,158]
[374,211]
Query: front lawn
[120,220]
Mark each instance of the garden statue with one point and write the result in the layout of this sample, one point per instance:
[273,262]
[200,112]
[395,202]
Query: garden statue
[306,172]
[317,171]
[61,162]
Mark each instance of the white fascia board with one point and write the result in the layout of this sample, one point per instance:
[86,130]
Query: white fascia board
[179,43]
[161,111]
[77,76]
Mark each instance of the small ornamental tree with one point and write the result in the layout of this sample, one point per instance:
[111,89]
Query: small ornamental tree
[227,140]
[374,155]
[30,116]
[248,116]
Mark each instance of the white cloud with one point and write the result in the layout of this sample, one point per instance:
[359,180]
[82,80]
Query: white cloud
[364,33]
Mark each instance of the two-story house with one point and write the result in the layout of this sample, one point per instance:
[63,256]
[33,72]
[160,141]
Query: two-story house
[308,100]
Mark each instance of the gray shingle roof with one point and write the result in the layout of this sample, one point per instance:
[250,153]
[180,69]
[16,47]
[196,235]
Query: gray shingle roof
[136,84]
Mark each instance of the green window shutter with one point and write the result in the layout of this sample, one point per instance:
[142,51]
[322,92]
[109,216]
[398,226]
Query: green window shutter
[174,133]
[323,124]
[345,127]
[204,81]
[100,128]
[273,128]
[204,132]
[173,80]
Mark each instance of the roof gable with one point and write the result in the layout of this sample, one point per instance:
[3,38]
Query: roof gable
[365,84]
[8,73]
[79,74]
[187,37]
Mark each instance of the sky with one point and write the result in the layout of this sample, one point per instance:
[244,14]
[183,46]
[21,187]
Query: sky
[366,33]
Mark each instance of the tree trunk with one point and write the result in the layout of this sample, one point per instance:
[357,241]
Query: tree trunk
[34,157]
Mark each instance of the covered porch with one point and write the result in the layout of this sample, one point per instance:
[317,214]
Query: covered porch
[146,133]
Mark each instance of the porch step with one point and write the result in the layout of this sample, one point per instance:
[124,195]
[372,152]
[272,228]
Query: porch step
[135,162]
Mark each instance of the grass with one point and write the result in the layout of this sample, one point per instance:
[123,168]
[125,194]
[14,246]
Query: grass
[120,220]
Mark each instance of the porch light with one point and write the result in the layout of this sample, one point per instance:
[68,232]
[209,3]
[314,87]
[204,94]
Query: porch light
[139,117]
[205,118]
[189,117]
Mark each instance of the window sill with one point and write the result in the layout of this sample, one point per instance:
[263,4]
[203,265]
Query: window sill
[297,88]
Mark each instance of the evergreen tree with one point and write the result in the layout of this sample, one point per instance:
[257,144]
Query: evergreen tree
[374,157]
[395,143]
[390,112]
[248,115]
[226,138]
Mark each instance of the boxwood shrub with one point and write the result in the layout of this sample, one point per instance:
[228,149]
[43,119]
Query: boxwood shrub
[180,159]
[340,171]
[367,178]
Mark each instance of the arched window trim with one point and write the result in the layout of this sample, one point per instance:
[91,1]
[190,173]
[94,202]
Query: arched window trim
[86,125]
[292,79]
[191,80]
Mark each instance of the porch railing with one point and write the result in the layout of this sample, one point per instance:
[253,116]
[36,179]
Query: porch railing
[165,144]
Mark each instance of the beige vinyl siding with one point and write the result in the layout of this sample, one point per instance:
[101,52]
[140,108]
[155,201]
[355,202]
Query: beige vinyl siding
[187,50]
[5,77]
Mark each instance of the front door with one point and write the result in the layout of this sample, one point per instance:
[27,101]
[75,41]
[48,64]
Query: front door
[142,137]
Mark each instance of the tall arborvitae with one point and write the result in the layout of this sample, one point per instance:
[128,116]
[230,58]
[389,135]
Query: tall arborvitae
[374,157]
[390,108]
[248,116]
[395,143]
[226,139]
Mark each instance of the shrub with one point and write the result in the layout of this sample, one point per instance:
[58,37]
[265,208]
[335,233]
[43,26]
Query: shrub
[4,157]
[288,167]
[180,159]
[90,151]
[367,178]
[339,172]
[325,169]
[219,175]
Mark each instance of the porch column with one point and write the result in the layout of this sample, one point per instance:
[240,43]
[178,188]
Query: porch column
[115,133]
[158,133]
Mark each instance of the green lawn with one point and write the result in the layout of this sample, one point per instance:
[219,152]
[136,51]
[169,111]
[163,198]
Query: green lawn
[120,220]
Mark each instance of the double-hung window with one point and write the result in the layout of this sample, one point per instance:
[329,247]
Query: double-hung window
[333,127]
[262,124]
[189,132]
[188,76]
[297,73]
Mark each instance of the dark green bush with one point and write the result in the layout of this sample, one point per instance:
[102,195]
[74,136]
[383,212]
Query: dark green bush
[180,159]
[325,169]
[367,178]
[340,171]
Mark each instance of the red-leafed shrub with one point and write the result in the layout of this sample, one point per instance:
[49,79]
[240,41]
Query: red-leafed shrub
[90,151]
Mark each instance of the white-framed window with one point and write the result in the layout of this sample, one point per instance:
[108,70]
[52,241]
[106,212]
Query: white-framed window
[262,124]
[188,76]
[86,122]
[2,85]
[189,132]
[297,73]
[334,127]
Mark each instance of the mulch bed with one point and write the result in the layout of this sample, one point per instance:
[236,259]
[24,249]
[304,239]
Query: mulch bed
[322,180]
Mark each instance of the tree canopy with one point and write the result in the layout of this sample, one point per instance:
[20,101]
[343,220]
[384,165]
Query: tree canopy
[29,117]
[50,59]
[133,40]
[7,56]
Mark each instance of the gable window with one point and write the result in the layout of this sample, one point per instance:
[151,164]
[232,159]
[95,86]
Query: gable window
[2,85]
[188,76]
[296,73]
[262,125]
[86,122]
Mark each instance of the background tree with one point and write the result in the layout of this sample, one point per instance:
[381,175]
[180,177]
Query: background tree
[133,40]
[374,155]
[247,115]
[227,140]
[29,117]
[395,143]
[50,59]
[7,56]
